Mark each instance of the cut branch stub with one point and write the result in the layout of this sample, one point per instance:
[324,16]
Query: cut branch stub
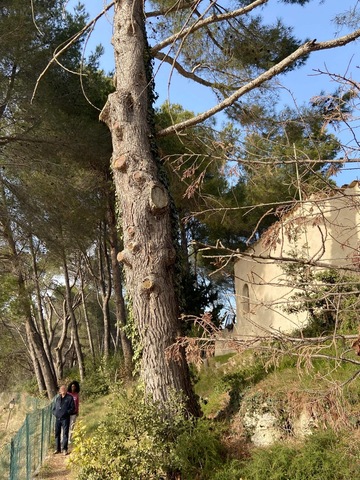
[148,283]
[124,257]
[159,199]
[120,162]
[105,113]
[139,176]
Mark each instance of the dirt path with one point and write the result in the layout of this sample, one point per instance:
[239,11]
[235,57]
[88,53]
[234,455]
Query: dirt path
[55,467]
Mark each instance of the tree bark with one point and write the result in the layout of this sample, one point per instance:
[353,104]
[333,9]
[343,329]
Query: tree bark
[59,356]
[73,323]
[41,321]
[117,282]
[86,317]
[105,288]
[41,358]
[38,373]
[149,253]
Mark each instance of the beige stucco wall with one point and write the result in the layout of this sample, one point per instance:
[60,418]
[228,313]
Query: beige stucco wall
[322,230]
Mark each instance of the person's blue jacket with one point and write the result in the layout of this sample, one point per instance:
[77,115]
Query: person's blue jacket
[63,407]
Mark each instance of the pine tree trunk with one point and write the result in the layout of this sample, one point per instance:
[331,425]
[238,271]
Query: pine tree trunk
[41,358]
[86,316]
[38,373]
[118,293]
[105,288]
[148,254]
[73,323]
[58,350]
[41,321]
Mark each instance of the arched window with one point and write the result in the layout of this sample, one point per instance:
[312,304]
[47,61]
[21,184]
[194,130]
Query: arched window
[246,299]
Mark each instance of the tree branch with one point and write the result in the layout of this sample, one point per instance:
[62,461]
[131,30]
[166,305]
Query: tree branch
[303,50]
[179,5]
[171,61]
[207,21]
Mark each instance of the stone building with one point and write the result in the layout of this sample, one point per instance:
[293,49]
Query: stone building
[323,231]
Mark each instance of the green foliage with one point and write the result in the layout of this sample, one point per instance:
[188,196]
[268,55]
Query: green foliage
[199,296]
[55,175]
[199,451]
[102,377]
[236,383]
[260,46]
[136,440]
[272,464]
[279,147]
[139,440]
[231,470]
[132,333]
[237,49]
[219,381]
[323,456]
[194,165]
[132,442]
[329,297]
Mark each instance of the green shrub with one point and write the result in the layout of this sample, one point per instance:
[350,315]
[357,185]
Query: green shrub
[231,470]
[140,441]
[199,450]
[136,441]
[101,377]
[323,456]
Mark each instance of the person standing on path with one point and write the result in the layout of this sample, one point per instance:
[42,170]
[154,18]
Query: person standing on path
[63,407]
[74,390]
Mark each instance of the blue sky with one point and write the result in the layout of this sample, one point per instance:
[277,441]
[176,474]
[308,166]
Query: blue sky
[313,21]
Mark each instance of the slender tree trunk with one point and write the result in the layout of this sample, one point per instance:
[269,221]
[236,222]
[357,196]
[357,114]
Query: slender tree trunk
[149,253]
[73,323]
[41,321]
[119,298]
[105,289]
[34,337]
[38,373]
[86,317]
[59,357]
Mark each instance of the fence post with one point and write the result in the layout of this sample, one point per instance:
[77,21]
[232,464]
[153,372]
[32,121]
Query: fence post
[28,462]
[12,453]
[42,435]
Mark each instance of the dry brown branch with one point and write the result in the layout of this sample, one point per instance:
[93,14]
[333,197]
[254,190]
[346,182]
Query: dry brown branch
[197,348]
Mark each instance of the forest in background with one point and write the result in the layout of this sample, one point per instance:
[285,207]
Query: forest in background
[117,237]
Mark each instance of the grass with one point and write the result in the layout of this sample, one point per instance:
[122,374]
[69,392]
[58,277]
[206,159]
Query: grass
[93,411]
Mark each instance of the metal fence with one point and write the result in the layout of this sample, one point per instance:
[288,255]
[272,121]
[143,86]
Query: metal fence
[26,452]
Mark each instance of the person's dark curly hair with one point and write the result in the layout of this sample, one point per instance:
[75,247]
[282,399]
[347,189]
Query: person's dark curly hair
[77,386]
